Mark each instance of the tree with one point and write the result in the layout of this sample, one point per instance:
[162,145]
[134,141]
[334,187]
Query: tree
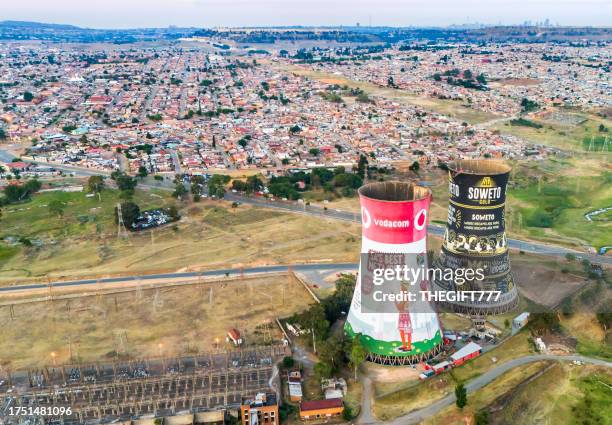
[314,151]
[2,134]
[481,418]
[415,166]
[461,396]
[142,172]
[323,370]
[358,354]
[95,184]
[197,184]
[173,212]
[604,317]
[314,319]
[362,165]
[124,182]
[27,96]
[129,212]
[295,129]
[179,190]
[330,351]
[56,207]
[288,362]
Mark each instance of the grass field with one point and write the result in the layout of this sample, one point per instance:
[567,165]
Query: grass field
[210,234]
[455,109]
[415,396]
[515,346]
[539,393]
[560,135]
[558,397]
[548,201]
[184,319]
[486,395]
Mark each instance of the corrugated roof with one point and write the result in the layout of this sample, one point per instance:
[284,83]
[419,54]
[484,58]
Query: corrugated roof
[320,404]
[470,348]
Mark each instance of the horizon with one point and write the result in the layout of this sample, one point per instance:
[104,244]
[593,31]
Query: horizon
[302,13]
[459,26]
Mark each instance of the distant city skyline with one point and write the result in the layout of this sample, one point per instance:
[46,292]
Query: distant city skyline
[238,13]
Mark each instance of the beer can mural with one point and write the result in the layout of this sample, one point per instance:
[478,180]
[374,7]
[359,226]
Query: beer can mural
[475,236]
[394,231]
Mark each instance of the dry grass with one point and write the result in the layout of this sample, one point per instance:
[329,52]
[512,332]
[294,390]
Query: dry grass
[446,107]
[515,346]
[454,416]
[416,396]
[210,235]
[132,324]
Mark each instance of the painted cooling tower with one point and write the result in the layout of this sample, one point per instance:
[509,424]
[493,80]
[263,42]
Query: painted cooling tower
[394,230]
[475,236]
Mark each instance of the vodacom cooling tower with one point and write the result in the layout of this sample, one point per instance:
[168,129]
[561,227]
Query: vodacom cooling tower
[475,237]
[394,230]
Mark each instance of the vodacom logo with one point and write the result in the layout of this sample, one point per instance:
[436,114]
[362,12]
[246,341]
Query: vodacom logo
[420,220]
[366,219]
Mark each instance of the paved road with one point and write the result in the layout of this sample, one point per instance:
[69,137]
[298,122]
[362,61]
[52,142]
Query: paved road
[6,156]
[336,267]
[477,383]
[316,211]
[312,210]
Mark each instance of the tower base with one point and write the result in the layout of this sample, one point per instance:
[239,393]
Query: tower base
[479,310]
[404,360]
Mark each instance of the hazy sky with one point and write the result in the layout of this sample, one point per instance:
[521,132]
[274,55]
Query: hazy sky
[211,13]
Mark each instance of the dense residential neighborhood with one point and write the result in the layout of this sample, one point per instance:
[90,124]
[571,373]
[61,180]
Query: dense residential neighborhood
[189,110]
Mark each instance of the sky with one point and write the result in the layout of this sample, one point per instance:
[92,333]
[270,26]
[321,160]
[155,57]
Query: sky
[215,13]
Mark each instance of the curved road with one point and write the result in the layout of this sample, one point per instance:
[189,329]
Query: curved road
[473,385]
[313,210]
[435,229]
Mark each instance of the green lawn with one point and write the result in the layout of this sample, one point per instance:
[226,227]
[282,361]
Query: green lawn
[549,201]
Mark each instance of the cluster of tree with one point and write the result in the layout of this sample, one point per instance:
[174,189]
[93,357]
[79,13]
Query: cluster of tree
[216,185]
[544,323]
[155,117]
[333,351]
[130,211]
[528,105]
[331,96]
[126,184]
[197,187]
[95,184]
[467,80]
[525,123]
[252,184]
[291,185]
[16,193]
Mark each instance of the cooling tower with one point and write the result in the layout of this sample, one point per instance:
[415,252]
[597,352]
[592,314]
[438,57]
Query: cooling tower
[475,236]
[394,230]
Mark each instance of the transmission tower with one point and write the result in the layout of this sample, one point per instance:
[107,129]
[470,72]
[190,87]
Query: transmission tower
[121,229]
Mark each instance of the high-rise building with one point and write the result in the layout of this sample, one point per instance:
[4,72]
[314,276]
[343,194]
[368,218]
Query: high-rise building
[394,233]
